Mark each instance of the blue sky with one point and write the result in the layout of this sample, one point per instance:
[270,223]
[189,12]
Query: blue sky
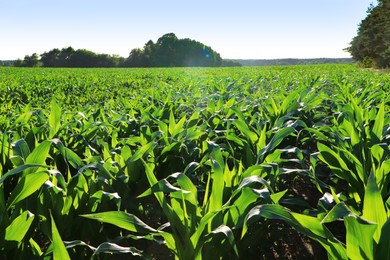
[246,29]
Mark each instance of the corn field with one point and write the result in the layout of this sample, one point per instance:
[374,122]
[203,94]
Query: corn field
[193,163]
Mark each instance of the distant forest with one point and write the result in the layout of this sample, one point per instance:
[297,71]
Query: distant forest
[121,62]
[282,62]
[168,51]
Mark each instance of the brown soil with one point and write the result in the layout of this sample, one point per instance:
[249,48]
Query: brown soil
[293,245]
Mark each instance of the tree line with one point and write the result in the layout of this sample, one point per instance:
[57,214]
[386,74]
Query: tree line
[292,61]
[371,46]
[168,51]
[69,57]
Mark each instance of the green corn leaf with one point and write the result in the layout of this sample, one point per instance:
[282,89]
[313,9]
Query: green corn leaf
[277,139]
[54,118]
[172,123]
[171,215]
[184,211]
[23,118]
[357,164]
[358,111]
[19,227]
[163,126]
[27,186]
[359,231]
[234,138]
[290,102]
[5,150]
[244,128]
[204,221]
[173,147]
[123,220]
[359,238]
[187,188]
[68,245]
[73,159]
[16,160]
[255,170]
[19,169]
[338,212]
[276,197]
[252,180]
[190,168]
[216,197]
[186,184]
[378,150]
[3,208]
[39,155]
[141,152]
[339,167]
[74,243]
[100,195]
[274,106]
[331,158]
[348,126]
[194,119]
[262,142]
[227,232]
[59,249]
[318,133]
[178,127]
[194,134]
[112,248]
[161,186]
[153,181]
[102,170]
[383,248]
[379,122]
[35,248]
[382,177]
[174,217]
[307,225]
[60,178]
[373,206]
[169,240]
[238,208]
[334,195]
[21,148]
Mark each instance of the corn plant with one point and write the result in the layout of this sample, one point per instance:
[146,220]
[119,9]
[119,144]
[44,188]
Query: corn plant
[367,235]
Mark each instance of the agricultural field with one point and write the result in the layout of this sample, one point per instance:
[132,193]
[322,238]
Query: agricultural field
[197,163]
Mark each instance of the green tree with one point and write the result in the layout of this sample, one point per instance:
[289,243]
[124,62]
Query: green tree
[31,61]
[51,58]
[137,58]
[81,58]
[371,46]
[65,57]
[166,48]
[169,51]
[18,63]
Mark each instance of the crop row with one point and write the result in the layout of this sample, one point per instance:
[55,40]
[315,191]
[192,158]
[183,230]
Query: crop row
[193,163]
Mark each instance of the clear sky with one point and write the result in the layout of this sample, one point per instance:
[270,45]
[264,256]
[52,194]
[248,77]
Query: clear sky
[246,29]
